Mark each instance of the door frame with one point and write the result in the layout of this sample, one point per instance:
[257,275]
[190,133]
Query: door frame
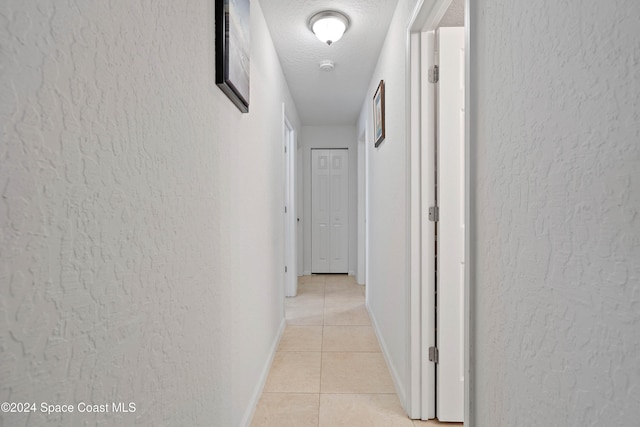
[299,210]
[289,212]
[361,220]
[420,99]
[348,221]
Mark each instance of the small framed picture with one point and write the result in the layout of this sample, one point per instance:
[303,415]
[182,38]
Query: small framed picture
[378,114]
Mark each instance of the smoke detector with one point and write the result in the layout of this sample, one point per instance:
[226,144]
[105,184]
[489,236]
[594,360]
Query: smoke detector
[327,65]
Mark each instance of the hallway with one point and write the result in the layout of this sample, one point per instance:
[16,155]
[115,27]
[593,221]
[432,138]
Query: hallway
[142,214]
[329,370]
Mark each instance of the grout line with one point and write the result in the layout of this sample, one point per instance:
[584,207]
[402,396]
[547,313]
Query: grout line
[334,392]
[324,302]
[291,392]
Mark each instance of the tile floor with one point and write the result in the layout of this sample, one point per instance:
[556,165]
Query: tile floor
[328,370]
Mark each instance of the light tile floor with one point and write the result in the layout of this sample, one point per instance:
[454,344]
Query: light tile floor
[328,370]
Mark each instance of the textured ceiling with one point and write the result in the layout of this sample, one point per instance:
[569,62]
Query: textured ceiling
[454,17]
[328,98]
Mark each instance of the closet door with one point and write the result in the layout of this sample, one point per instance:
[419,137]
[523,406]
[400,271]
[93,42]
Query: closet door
[329,211]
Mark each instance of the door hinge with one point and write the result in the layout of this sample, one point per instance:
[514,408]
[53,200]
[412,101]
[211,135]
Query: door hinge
[285,268]
[434,74]
[433,354]
[285,209]
[434,214]
[285,148]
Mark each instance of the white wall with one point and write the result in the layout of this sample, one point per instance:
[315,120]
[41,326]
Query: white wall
[330,137]
[556,183]
[388,245]
[134,194]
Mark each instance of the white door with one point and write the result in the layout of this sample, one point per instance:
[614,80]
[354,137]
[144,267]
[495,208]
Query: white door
[290,219]
[450,238]
[299,210]
[329,211]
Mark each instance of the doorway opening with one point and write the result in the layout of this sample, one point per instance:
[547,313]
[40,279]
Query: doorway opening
[439,210]
[290,218]
[329,211]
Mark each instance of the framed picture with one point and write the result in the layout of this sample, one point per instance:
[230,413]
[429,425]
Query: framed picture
[232,50]
[378,114]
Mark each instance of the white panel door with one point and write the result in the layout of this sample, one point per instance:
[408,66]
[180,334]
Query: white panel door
[320,211]
[339,211]
[329,211]
[450,258]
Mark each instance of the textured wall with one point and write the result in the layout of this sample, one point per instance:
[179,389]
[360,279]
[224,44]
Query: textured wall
[556,218]
[126,177]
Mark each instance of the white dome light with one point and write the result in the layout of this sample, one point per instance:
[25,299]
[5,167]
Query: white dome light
[329,26]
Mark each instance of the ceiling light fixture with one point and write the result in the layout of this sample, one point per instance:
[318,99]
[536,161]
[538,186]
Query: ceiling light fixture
[329,26]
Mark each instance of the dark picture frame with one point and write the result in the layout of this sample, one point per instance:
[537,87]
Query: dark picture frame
[378,115]
[233,50]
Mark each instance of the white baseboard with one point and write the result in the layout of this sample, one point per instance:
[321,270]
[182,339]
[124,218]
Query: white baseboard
[352,273]
[255,398]
[402,395]
[306,273]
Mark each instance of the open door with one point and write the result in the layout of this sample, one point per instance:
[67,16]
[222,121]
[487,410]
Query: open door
[450,224]
[437,85]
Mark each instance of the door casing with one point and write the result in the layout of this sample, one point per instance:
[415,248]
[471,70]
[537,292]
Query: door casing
[290,218]
[426,16]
